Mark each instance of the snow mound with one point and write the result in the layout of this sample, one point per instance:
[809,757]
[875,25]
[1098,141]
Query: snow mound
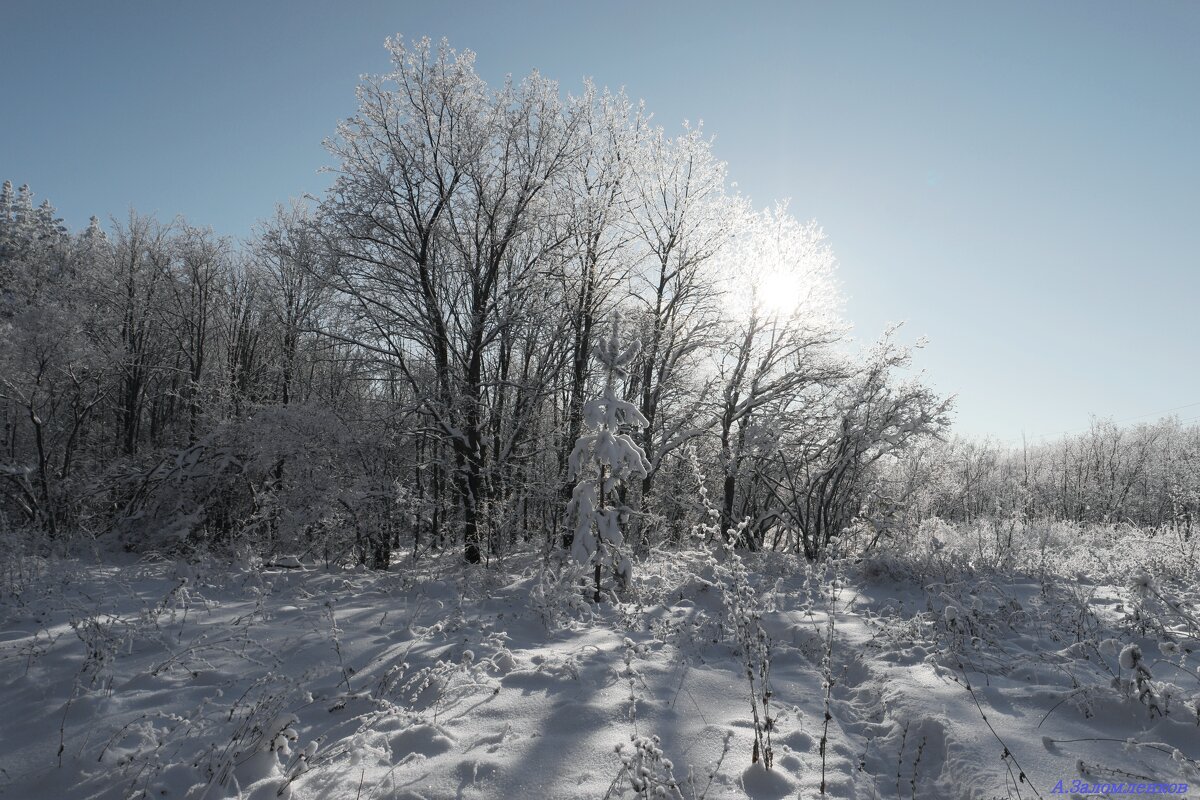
[761,783]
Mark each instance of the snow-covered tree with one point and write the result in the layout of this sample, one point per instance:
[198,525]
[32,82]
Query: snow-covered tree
[599,192]
[605,456]
[784,319]
[684,216]
[34,248]
[291,258]
[828,459]
[438,220]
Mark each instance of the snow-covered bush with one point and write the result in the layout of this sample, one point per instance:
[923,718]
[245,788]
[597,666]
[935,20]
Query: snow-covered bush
[555,597]
[22,566]
[1045,547]
[649,773]
[288,479]
[743,615]
[603,458]
[1140,682]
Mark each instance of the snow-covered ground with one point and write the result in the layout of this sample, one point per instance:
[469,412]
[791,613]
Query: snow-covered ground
[942,677]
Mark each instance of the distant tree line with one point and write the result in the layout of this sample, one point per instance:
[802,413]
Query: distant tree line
[1146,475]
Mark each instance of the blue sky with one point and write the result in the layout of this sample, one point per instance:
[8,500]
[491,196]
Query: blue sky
[1018,181]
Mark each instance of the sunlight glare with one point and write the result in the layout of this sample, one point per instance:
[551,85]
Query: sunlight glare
[780,291]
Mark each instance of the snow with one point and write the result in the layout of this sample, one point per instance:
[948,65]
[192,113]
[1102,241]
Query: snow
[436,680]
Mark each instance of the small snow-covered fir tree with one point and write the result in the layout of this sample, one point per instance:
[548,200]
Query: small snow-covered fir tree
[605,456]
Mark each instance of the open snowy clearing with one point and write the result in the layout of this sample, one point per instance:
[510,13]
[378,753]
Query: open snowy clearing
[159,680]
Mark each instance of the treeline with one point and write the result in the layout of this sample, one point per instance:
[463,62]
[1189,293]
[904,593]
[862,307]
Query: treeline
[1146,475]
[405,363]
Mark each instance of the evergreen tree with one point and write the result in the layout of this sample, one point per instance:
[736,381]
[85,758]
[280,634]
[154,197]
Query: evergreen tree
[603,458]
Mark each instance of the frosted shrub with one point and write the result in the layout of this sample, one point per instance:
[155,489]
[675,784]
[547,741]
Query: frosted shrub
[744,613]
[649,772]
[1140,685]
[285,480]
[22,567]
[555,598]
[1152,607]
[1103,552]
[708,528]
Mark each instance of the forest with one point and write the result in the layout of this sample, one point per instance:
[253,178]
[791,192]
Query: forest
[535,379]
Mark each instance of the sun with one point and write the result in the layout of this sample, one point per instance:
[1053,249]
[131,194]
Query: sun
[780,291]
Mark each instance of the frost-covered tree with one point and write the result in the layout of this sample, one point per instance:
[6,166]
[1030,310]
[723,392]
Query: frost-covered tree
[292,260]
[604,457]
[784,321]
[34,249]
[50,386]
[51,375]
[439,223]
[828,460]
[599,192]
[683,217]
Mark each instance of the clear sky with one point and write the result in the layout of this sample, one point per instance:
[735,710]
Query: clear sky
[1018,181]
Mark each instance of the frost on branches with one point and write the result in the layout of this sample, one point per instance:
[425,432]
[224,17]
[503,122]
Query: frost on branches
[604,457]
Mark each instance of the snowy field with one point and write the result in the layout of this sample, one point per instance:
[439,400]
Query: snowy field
[957,667]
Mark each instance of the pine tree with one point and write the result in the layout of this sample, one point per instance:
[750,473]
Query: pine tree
[604,457]
[6,201]
[33,245]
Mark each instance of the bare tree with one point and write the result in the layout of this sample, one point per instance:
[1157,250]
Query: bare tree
[601,193]
[683,216]
[130,287]
[825,465]
[293,262]
[438,183]
[782,320]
